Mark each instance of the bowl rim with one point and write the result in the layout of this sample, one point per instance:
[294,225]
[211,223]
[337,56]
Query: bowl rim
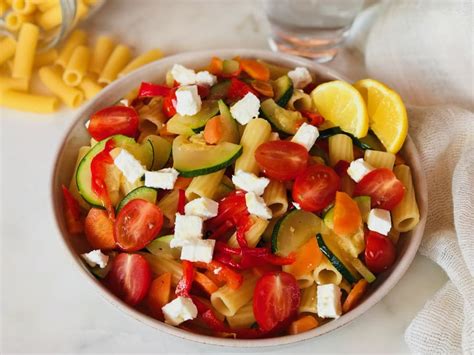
[382,290]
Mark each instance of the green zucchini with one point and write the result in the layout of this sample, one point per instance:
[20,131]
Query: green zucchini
[337,130]
[145,193]
[230,128]
[161,247]
[194,158]
[329,218]
[230,67]
[188,125]
[316,151]
[363,270]
[219,91]
[161,151]
[293,230]
[364,206]
[284,121]
[283,89]
[373,142]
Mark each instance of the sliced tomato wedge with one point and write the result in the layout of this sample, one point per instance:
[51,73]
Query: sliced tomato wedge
[380,252]
[137,224]
[113,120]
[276,300]
[316,188]
[129,277]
[383,187]
[282,160]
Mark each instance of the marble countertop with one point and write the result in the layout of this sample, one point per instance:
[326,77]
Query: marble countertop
[46,306]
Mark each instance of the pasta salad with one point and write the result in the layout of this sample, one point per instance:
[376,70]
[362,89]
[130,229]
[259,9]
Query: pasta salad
[244,199]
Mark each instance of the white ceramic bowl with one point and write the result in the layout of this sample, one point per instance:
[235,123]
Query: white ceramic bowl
[77,136]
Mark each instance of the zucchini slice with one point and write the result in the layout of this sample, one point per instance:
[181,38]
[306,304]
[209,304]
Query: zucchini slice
[364,206]
[329,218]
[367,142]
[188,125]
[219,91]
[161,151]
[194,158]
[161,247]
[363,270]
[283,88]
[145,193]
[230,128]
[284,121]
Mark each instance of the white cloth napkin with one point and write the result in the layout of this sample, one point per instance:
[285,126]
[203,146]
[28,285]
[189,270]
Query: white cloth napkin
[424,50]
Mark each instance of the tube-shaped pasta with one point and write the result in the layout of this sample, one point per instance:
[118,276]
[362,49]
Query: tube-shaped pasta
[340,148]
[379,159]
[141,60]
[51,78]
[308,301]
[204,185]
[406,215]
[393,235]
[50,18]
[73,184]
[77,38]
[117,61]
[244,317]
[300,101]
[89,87]
[352,244]
[160,265]
[103,48]
[253,235]
[76,68]
[44,5]
[151,115]
[28,102]
[305,280]
[228,301]
[275,198]
[8,46]
[14,21]
[256,132]
[45,58]
[24,7]
[25,51]
[326,273]
[3,7]
[81,11]
[7,83]
[169,205]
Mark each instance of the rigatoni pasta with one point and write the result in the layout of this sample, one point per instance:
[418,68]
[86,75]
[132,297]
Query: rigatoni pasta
[300,101]
[77,38]
[275,197]
[244,317]
[204,185]
[253,235]
[76,67]
[309,302]
[103,48]
[89,87]
[340,148]
[52,79]
[25,51]
[119,58]
[228,301]
[141,60]
[406,215]
[379,159]
[7,83]
[8,46]
[326,273]
[169,205]
[28,102]
[46,58]
[256,132]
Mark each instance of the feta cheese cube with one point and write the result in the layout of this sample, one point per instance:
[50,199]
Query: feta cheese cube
[205,78]
[329,301]
[187,229]
[379,221]
[199,250]
[202,207]
[161,179]
[183,75]
[250,182]
[297,205]
[300,77]
[188,101]
[179,310]
[124,102]
[96,257]
[358,169]
[130,167]
[246,108]
[256,206]
[306,136]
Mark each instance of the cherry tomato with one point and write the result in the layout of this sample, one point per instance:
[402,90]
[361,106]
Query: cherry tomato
[137,224]
[282,160]
[383,187]
[113,120]
[316,188]
[276,299]
[379,252]
[129,277]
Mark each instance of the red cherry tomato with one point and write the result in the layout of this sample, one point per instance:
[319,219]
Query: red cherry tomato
[383,187]
[276,299]
[380,253]
[113,120]
[281,160]
[316,188]
[129,277]
[137,224]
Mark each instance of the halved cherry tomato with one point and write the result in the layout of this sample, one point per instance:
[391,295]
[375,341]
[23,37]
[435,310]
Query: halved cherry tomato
[316,187]
[282,160]
[341,168]
[168,107]
[99,229]
[129,277]
[113,120]
[383,187]
[276,300]
[72,212]
[380,252]
[151,90]
[137,224]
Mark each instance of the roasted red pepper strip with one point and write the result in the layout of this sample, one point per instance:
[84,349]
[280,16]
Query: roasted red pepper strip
[184,285]
[223,273]
[169,101]
[231,209]
[314,118]
[341,167]
[98,173]
[181,201]
[74,222]
[224,248]
[238,89]
[151,90]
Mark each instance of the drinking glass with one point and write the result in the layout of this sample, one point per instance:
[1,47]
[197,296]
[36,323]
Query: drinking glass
[310,28]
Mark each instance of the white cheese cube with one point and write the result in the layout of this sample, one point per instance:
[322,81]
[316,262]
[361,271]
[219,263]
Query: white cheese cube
[205,78]
[250,182]
[256,206]
[329,301]
[96,257]
[306,136]
[124,102]
[246,108]
[297,205]
[161,179]
[202,207]
[199,250]
[379,221]
[183,75]
[130,167]
[300,77]
[187,229]
[179,310]
[358,169]
[188,101]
